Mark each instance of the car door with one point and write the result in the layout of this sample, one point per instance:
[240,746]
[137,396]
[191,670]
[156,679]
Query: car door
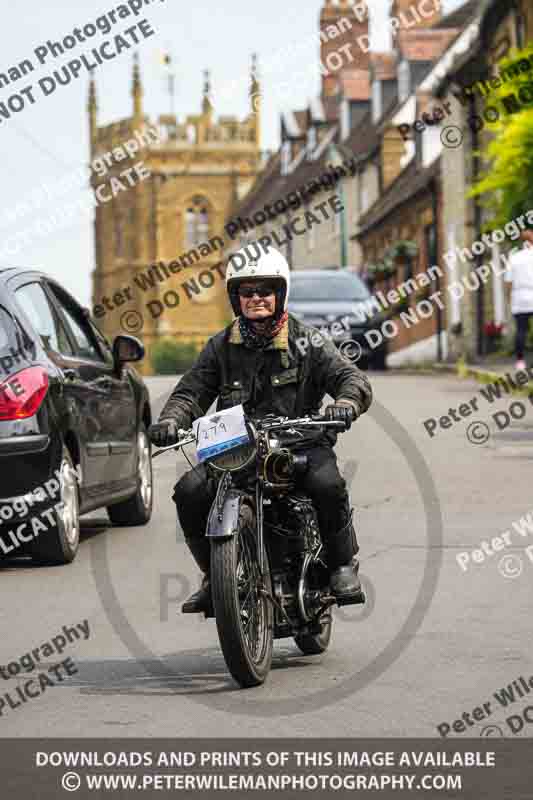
[119,412]
[82,398]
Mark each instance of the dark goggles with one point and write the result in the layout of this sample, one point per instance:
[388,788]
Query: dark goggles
[260,291]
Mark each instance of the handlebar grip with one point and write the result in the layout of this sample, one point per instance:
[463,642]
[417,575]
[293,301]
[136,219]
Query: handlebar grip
[331,423]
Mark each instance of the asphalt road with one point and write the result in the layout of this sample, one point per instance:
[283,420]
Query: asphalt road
[435,641]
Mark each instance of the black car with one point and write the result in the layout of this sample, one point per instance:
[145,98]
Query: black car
[339,303]
[73,421]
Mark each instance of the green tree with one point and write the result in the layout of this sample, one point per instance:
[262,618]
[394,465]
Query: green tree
[172,358]
[506,184]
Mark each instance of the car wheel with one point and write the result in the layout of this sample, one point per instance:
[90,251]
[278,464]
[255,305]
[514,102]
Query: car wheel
[59,544]
[137,510]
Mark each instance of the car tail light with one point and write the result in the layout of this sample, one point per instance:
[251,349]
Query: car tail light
[22,394]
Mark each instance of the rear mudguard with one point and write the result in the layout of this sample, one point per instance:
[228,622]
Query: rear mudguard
[224,517]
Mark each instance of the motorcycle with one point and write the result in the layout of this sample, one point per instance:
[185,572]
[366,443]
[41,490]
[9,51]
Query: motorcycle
[269,575]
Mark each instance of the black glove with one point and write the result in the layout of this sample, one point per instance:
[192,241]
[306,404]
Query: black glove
[342,413]
[164,433]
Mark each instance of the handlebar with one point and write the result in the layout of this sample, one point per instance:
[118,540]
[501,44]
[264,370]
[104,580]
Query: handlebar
[264,424]
[302,422]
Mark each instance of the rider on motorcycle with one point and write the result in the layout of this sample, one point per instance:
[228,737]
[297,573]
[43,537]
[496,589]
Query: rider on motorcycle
[273,364]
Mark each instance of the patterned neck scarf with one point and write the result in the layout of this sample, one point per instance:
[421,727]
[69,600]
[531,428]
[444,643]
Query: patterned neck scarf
[259,341]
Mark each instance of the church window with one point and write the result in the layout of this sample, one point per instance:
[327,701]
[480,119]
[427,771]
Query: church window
[197,221]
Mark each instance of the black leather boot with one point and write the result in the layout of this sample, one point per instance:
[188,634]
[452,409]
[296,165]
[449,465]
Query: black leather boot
[345,584]
[344,568]
[201,600]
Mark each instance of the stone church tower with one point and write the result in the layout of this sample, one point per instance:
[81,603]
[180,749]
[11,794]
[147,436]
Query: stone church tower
[198,170]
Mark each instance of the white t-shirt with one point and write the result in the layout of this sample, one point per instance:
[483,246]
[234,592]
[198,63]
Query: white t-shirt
[520,273]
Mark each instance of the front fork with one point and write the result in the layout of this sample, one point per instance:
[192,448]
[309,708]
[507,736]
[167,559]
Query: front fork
[260,525]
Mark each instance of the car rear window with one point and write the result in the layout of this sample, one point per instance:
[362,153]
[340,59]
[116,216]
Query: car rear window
[15,345]
[328,286]
[8,331]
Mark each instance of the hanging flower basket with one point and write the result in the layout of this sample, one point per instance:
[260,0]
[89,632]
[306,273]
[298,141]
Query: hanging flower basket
[406,249]
[493,330]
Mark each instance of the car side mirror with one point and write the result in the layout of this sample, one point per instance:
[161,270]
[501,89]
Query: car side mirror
[127,348]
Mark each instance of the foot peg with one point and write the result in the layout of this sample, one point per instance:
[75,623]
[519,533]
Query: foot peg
[358,598]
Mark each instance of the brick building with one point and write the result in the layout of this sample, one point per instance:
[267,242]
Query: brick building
[492,32]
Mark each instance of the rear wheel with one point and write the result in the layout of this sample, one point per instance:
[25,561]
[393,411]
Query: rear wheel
[137,510]
[312,644]
[59,544]
[243,611]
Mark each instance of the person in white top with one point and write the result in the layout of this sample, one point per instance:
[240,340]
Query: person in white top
[519,278]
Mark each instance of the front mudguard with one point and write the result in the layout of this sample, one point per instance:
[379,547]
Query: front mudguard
[224,515]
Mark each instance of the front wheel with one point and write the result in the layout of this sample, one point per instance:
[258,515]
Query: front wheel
[243,611]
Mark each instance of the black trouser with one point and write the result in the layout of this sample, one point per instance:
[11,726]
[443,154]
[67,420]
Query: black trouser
[522,327]
[195,491]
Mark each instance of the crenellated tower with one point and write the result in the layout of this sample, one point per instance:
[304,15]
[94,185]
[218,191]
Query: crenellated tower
[194,170]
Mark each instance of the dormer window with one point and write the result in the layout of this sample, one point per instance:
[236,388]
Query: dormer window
[311,143]
[404,81]
[377,101]
[285,157]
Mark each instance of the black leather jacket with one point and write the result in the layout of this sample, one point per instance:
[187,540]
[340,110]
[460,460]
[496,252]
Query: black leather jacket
[289,378]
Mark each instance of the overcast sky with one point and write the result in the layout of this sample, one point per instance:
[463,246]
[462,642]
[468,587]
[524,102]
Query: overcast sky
[48,140]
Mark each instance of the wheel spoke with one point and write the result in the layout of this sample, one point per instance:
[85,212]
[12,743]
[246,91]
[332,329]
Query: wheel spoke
[243,605]
[252,608]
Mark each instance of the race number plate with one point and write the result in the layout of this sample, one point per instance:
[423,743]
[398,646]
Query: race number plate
[220,432]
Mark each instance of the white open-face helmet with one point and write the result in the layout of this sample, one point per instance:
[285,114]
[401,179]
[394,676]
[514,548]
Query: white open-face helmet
[253,263]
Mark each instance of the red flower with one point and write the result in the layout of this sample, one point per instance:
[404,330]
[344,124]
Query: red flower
[493,329]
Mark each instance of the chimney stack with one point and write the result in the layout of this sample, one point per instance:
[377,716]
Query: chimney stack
[405,15]
[344,40]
